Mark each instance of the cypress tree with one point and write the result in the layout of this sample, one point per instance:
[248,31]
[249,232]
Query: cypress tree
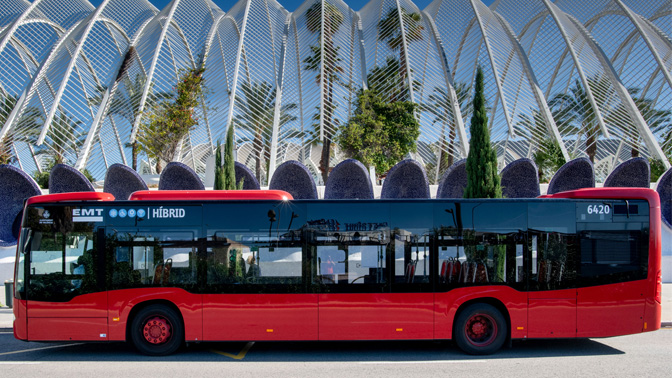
[219,177]
[482,178]
[229,164]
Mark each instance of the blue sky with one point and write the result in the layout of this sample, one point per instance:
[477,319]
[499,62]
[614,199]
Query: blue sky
[290,5]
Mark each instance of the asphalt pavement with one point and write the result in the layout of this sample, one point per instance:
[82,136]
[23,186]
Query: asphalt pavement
[7,317]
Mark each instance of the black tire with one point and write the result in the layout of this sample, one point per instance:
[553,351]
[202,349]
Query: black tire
[157,330]
[480,329]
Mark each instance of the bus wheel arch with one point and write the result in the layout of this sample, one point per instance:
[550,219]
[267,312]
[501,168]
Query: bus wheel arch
[155,327]
[481,326]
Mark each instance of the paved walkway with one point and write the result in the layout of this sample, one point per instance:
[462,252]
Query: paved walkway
[7,317]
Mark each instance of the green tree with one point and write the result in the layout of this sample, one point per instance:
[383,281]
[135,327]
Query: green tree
[658,168]
[482,178]
[325,58]
[380,133]
[171,121]
[225,175]
[257,111]
[548,158]
[219,174]
[229,170]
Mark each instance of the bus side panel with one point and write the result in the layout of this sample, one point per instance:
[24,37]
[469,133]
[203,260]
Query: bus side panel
[552,314]
[389,316]
[121,302]
[72,329]
[83,318]
[229,317]
[449,302]
[20,331]
[611,310]
[92,305]
[653,308]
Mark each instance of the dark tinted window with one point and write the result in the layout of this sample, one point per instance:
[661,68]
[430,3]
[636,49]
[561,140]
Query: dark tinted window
[613,256]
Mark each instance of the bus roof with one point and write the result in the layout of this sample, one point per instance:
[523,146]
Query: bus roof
[214,195]
[616,193]
[209,195]
[72,196]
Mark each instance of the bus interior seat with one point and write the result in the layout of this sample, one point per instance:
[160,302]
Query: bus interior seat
[480,273]
[410,271]
[454,268]
[444,269]
[158,273]
[167,266]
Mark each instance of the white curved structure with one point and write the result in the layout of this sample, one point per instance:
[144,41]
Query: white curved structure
[594,77]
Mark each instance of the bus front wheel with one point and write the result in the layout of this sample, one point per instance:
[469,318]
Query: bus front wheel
[157,330]
[480,329]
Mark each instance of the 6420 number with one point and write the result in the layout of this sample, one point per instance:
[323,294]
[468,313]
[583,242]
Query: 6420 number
[599,209]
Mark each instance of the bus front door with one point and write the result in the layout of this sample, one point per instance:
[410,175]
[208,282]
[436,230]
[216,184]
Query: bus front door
[64,300]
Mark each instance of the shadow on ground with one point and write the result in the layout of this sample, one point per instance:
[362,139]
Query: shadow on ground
[383,351]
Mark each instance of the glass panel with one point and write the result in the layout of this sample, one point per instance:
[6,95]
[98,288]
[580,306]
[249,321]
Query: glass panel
[553,261]
[153,258]
[61,265]
[256,259]
[350,257]
[613,256]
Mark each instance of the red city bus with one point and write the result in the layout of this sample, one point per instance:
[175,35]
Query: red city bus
[169,267]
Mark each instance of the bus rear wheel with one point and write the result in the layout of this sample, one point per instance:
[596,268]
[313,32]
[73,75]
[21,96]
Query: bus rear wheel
[480,329]
[157,330]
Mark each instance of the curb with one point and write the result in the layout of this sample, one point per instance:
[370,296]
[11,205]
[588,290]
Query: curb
[666,325]
[7,330]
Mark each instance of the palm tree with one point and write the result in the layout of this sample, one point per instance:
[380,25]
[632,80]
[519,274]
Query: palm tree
[62,138]
[390,31]
[126,104]
[29,122]
[7,103]
[257,107]
[386,80]
[659,120]
[325,58]
[548,154]
[439,106]
[574,108]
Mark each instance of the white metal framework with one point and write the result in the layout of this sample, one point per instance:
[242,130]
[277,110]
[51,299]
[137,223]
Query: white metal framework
[593,78]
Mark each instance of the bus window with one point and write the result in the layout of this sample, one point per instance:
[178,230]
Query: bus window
[613,256]
[552,260]
[411,257]
[152,258]
[481,244]
[260,261]
[349,258]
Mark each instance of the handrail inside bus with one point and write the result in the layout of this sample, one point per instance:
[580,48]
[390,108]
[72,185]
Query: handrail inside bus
[72,196]
[209,195]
